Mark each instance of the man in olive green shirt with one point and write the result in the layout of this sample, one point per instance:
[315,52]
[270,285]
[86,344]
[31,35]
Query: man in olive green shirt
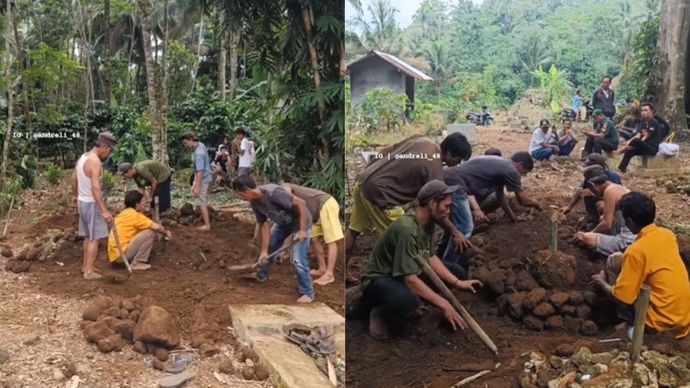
[150,173]
[391,286]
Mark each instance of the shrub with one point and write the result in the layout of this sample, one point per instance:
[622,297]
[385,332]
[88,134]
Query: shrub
[381,108]
[53,174]
[108,181]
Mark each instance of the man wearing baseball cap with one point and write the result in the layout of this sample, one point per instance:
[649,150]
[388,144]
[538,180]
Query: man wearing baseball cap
[611,234]
[150,173]
[391,285]
[543,143]
[604,137]
[202,175]
[94,216]
[591,201]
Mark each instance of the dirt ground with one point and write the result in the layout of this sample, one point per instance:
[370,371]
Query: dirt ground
[428,354]
[49,300]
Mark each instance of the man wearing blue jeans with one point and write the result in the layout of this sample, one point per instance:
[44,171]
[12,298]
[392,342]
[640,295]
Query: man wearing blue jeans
[543,142]
[291,216]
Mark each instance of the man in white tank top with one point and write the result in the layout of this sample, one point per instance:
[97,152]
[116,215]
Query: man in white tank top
[94,217]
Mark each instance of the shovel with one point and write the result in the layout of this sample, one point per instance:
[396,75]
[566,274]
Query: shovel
[115,278]
[258,262]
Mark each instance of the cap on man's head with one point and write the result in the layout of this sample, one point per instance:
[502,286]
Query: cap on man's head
[544,123]
[595,159]
[597,112]
[189,135]
[433,189]
[594,172]
[106,139]
[123,168]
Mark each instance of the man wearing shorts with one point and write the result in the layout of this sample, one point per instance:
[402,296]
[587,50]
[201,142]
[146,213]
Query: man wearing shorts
[94,217]
[325,212]
[245,151]
[394,178]
[202,175]
[611,235]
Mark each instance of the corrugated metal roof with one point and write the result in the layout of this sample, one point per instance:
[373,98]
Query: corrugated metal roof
[396,62]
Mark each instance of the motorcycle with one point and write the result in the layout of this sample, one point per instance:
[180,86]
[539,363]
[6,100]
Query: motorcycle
[568,114]
[484,118]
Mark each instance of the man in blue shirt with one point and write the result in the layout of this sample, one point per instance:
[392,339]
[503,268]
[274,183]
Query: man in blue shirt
[202,175]
[577,104]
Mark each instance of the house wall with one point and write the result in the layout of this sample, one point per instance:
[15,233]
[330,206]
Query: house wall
[374,73]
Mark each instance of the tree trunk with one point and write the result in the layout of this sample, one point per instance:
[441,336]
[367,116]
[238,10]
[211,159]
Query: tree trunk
[107,76]
[198,56]
[668,80]
[306,19]
[8,82]
[343,66]
[222,63]
[153,86]
[234,40]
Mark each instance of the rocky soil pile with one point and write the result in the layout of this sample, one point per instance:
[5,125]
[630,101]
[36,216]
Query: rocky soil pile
[607,369]
[43,249]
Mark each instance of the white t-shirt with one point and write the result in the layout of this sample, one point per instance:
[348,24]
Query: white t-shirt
[245,153]
[538,138]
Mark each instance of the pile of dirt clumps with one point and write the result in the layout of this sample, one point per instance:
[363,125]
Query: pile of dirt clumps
[112,323]
[187,214]
[44,249]
[538,292]
[609,369]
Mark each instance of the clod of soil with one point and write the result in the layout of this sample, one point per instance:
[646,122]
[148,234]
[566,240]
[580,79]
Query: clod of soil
[125,328]
[544,310]
[261,373]
[495,283]
[572,324]
[134,315]
[583,311]
[127,305]
[111,343]
[6,252]
[559,298]
[534,298]
[248,373]
[18,266]
[226,367]
[124,314]
[34,254]
[565,350]
[112,311]
[555,269]
[589,328]
[161,354]
[158,364]
[516,301]
[96,331]
[554,322]
[139,347]
[187,209]
[156,326]
[208,350]
[590,298]
[567,310]
[22,255]
[249,353]
[533,323]
[525,282]
[576,298]
[502,305]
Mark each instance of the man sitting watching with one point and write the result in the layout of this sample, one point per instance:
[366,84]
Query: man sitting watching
[391,284]
[604,137]
[653,259]
[135,232]
[646,142]
[612,234]
[542,145]
[566,138]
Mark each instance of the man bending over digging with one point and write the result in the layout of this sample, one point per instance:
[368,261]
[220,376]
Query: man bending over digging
[325,210]
[136,233]
[291,216]
[653,259]
[391,285]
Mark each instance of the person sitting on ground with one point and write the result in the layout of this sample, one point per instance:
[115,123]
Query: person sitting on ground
[632,122]
[136,233]
[543,143]
[393,180]
[291,218]
[153,174]
[653,259]
[566,139]
[593,203]
[611,234]
[219,165]
[391,284]
[481,182]
[604,137]
[646,142]
[493,151]
[326,212]
[201,177]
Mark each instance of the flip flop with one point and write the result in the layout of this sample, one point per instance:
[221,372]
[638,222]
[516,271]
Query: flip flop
[176,381]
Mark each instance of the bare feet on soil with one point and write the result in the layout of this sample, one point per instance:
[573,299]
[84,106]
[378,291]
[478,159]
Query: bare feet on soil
[324,280]
[92,276]
[141,266]
[305,299]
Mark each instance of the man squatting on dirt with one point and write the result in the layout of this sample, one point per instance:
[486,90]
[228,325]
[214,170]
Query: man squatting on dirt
[395,178]
[391,284]
[291,216]
[136,233]
[325,212]
[94,217]
[653,259]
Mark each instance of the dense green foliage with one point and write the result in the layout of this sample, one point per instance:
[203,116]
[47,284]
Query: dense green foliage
[490,54]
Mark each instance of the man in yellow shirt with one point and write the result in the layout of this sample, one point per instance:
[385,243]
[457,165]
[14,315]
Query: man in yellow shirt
[136,233]
[653,259]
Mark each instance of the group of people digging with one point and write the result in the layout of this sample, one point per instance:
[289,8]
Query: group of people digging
[459,195]
[298,213]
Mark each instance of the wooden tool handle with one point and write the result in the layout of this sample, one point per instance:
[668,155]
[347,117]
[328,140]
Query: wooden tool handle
[119,248]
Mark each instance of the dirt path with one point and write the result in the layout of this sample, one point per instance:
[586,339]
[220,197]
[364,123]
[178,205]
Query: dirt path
[49,300]
[428,354]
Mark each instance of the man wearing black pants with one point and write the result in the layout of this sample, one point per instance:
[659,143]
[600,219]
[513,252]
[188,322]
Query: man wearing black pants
[154,174]
[604,98]
[646,142]
[604,137]
[391,285]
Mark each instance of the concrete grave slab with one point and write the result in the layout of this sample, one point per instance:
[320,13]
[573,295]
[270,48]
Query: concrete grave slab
[261,326]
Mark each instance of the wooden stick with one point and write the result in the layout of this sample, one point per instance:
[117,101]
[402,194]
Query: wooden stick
[119,248]
[7,222]
[553,230]
[640,317]
[475,377]
[456,304]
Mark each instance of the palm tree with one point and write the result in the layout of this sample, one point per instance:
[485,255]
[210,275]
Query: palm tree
[8,86]
[532,53]
[380,30]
